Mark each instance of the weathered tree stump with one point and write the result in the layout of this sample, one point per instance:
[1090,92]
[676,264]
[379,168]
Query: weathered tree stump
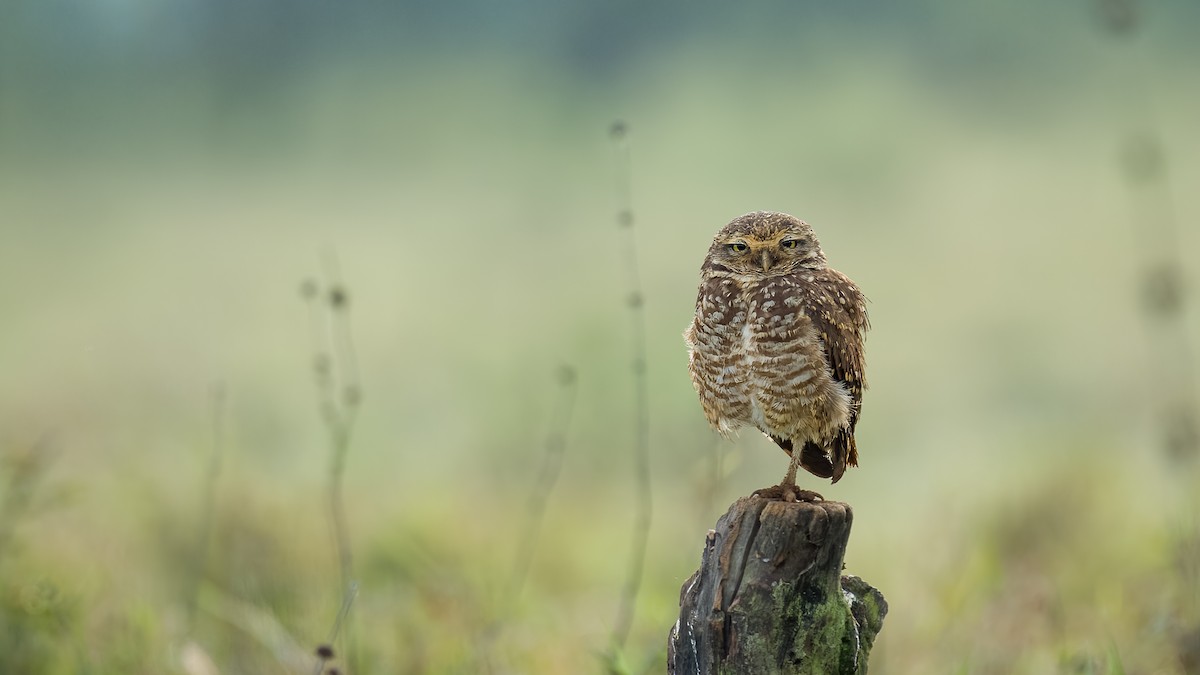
[770,597]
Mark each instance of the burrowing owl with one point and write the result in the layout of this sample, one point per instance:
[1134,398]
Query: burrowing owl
[777,343]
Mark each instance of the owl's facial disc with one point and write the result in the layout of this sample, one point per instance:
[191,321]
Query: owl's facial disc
[767,244]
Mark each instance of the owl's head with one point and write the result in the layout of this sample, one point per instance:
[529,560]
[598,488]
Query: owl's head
[765,244]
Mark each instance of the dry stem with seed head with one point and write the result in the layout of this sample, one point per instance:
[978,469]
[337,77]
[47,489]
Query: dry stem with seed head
[339,395]
[641,449]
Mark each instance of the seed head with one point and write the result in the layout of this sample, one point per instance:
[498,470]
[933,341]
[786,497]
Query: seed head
[338,298]
[565,375]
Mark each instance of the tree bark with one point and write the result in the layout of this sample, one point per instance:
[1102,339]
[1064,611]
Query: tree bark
[770,597]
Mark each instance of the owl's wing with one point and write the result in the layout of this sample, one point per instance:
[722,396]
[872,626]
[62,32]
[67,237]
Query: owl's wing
[838,312]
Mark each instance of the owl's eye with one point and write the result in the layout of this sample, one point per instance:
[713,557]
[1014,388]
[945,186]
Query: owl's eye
[738,247]
[790,243]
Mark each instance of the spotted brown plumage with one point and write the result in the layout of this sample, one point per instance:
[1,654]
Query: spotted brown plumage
[777,344]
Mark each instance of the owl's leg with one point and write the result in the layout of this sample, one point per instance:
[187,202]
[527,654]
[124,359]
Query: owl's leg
[790,479]
[787,490]
[790,492]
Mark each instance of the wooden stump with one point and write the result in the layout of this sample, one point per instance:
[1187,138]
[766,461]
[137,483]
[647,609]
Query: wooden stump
[770,597]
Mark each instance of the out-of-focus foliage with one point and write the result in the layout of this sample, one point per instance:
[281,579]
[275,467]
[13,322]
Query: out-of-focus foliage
[170,172]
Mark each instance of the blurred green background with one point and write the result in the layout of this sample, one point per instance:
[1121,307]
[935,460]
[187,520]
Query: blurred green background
[1001,179]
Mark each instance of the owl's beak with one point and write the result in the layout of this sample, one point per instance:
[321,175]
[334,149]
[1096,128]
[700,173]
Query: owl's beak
[767,261]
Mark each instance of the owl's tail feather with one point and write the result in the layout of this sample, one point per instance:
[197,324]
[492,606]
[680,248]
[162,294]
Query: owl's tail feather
[843,452]
[815,461]
[830,463]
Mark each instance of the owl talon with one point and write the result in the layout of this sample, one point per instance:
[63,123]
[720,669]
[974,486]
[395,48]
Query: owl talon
[788,493]
[803,496]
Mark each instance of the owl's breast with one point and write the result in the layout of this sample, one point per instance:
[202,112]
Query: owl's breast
[792,392]
[756,360]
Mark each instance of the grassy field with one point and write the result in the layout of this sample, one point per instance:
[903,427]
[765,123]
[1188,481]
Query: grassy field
[1014,503]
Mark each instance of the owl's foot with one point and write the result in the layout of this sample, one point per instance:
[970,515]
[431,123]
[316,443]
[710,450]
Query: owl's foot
[788,493]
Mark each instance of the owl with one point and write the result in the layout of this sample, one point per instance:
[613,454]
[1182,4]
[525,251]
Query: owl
[777,344]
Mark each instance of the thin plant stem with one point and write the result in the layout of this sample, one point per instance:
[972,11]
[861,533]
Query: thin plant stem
[1145,173]
[325,652]
[551,466]
[339,397]
[554,451]
[643,503]
[342,410]
[208,507]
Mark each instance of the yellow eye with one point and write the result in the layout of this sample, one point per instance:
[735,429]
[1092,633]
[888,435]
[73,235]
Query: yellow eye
[790,243]
[738,247]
